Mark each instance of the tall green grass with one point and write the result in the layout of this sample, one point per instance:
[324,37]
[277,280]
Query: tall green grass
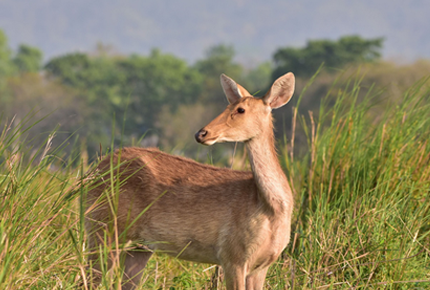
[38,220]
[363,200]
[362,217]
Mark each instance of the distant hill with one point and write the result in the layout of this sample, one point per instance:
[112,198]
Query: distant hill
[186,28]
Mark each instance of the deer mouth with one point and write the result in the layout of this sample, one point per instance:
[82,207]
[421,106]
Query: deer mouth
[209,142]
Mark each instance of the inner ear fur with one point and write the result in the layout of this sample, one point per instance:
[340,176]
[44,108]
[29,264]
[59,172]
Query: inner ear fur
[281,91]
[232,90]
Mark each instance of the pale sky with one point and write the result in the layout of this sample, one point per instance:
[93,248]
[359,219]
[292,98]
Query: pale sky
[187,28]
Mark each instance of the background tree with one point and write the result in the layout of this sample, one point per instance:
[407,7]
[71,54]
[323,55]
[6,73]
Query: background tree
[69,69]
[136,87]
[6,65]
[94,81]
[304,62]
[257,80]
[28,59]
[51,104]
[219,59]
[153,82]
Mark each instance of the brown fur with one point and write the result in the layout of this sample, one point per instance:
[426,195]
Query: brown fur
[240,220]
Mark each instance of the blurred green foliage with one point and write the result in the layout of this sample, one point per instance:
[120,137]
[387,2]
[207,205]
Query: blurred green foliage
[5,62]
[334,54]
[161,100]
[135,87]
[28,59]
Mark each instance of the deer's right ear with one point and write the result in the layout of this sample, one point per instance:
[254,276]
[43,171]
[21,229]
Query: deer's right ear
[232,90]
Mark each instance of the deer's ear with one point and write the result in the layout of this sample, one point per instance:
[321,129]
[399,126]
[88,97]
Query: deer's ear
[232,90]
[281,91]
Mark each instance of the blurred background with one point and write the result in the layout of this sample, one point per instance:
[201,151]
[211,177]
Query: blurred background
[147,72]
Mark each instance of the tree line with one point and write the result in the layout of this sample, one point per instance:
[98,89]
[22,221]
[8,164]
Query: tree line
[152,100]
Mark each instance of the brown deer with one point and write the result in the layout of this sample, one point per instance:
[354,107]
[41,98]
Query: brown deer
[239,220]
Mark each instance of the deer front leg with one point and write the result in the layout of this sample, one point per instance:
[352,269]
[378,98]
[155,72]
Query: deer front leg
[255,281]
[134,265]
[235,277]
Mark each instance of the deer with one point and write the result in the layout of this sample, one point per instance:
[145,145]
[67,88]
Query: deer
[240,220]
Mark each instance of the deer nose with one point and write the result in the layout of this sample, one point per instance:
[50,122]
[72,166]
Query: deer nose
[200,134]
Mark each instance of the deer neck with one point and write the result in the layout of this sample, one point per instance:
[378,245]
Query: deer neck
[271,181]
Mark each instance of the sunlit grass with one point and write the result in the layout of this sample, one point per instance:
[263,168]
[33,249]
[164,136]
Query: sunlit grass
[363,216]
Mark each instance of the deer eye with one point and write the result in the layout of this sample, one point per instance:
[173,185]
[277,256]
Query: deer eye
[240,110]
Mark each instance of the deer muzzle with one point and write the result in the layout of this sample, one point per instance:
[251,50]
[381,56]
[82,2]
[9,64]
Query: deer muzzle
[200,135]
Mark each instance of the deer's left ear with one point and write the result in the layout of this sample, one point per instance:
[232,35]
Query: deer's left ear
[281,91]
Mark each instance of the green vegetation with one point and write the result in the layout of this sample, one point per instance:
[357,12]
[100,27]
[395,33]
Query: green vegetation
[355,149]
[335,54]
[364,214]
[28,59]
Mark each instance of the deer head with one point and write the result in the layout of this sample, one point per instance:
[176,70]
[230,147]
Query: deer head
[246,117]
